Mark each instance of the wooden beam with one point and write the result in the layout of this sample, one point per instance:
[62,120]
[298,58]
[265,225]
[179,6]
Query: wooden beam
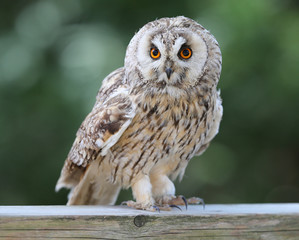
[237,221]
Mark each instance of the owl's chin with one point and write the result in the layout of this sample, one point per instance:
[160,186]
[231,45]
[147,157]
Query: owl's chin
[164,84]
[171,89]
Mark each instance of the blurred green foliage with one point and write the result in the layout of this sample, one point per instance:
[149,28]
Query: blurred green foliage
[54,54]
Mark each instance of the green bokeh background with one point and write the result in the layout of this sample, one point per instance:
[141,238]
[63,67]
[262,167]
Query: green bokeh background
[54,54]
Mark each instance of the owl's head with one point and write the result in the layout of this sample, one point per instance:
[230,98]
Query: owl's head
[172,53]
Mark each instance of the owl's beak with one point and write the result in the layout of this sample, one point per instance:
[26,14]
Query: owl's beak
[168,71]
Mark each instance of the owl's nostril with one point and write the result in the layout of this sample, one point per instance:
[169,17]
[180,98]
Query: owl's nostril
[168,71]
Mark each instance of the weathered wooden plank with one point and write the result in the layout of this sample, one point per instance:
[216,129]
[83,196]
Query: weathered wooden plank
[242,221]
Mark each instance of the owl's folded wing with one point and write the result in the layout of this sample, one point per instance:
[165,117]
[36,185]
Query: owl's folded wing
[101,129]
[99,132]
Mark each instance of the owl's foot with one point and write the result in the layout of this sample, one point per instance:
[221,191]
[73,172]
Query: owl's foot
[174,201]
[152,208]
[142,206]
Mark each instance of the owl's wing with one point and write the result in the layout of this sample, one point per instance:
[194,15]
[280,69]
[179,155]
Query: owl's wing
[103,126]
[101,129]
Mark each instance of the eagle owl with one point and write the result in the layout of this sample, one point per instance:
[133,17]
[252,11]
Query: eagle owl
[150,118]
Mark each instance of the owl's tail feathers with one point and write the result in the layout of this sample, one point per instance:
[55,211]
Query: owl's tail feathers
[92,188]
[70,176]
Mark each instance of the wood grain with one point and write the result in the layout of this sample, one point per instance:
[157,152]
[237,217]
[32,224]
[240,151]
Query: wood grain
[240,221]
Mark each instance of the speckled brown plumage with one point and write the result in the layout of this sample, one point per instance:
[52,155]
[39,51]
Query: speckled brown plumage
[145,125]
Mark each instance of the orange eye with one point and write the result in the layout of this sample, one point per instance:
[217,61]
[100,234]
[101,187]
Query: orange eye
[185,53]
[155,53]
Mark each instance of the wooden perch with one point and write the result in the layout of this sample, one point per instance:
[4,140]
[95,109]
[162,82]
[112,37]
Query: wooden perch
[238,221]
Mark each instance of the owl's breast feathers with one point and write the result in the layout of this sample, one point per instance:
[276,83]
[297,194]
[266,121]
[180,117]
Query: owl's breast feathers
[166,132]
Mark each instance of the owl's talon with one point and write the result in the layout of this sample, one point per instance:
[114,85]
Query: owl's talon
[156,208]
[175,206]
[185,201]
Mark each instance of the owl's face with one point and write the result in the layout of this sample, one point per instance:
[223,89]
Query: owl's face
[171,58]
[168,54]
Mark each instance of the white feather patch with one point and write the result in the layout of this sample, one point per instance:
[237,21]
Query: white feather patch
[113,139]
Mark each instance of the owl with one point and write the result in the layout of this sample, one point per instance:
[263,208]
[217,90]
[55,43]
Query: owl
[149,119]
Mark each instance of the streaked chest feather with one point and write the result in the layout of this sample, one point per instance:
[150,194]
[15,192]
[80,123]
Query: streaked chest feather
[161,133]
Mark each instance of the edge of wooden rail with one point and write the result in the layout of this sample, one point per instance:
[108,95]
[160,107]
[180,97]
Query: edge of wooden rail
[227,221]
[193,210]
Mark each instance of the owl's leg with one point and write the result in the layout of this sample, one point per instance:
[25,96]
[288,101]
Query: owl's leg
[162,188]
[142,192]
[163,191]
